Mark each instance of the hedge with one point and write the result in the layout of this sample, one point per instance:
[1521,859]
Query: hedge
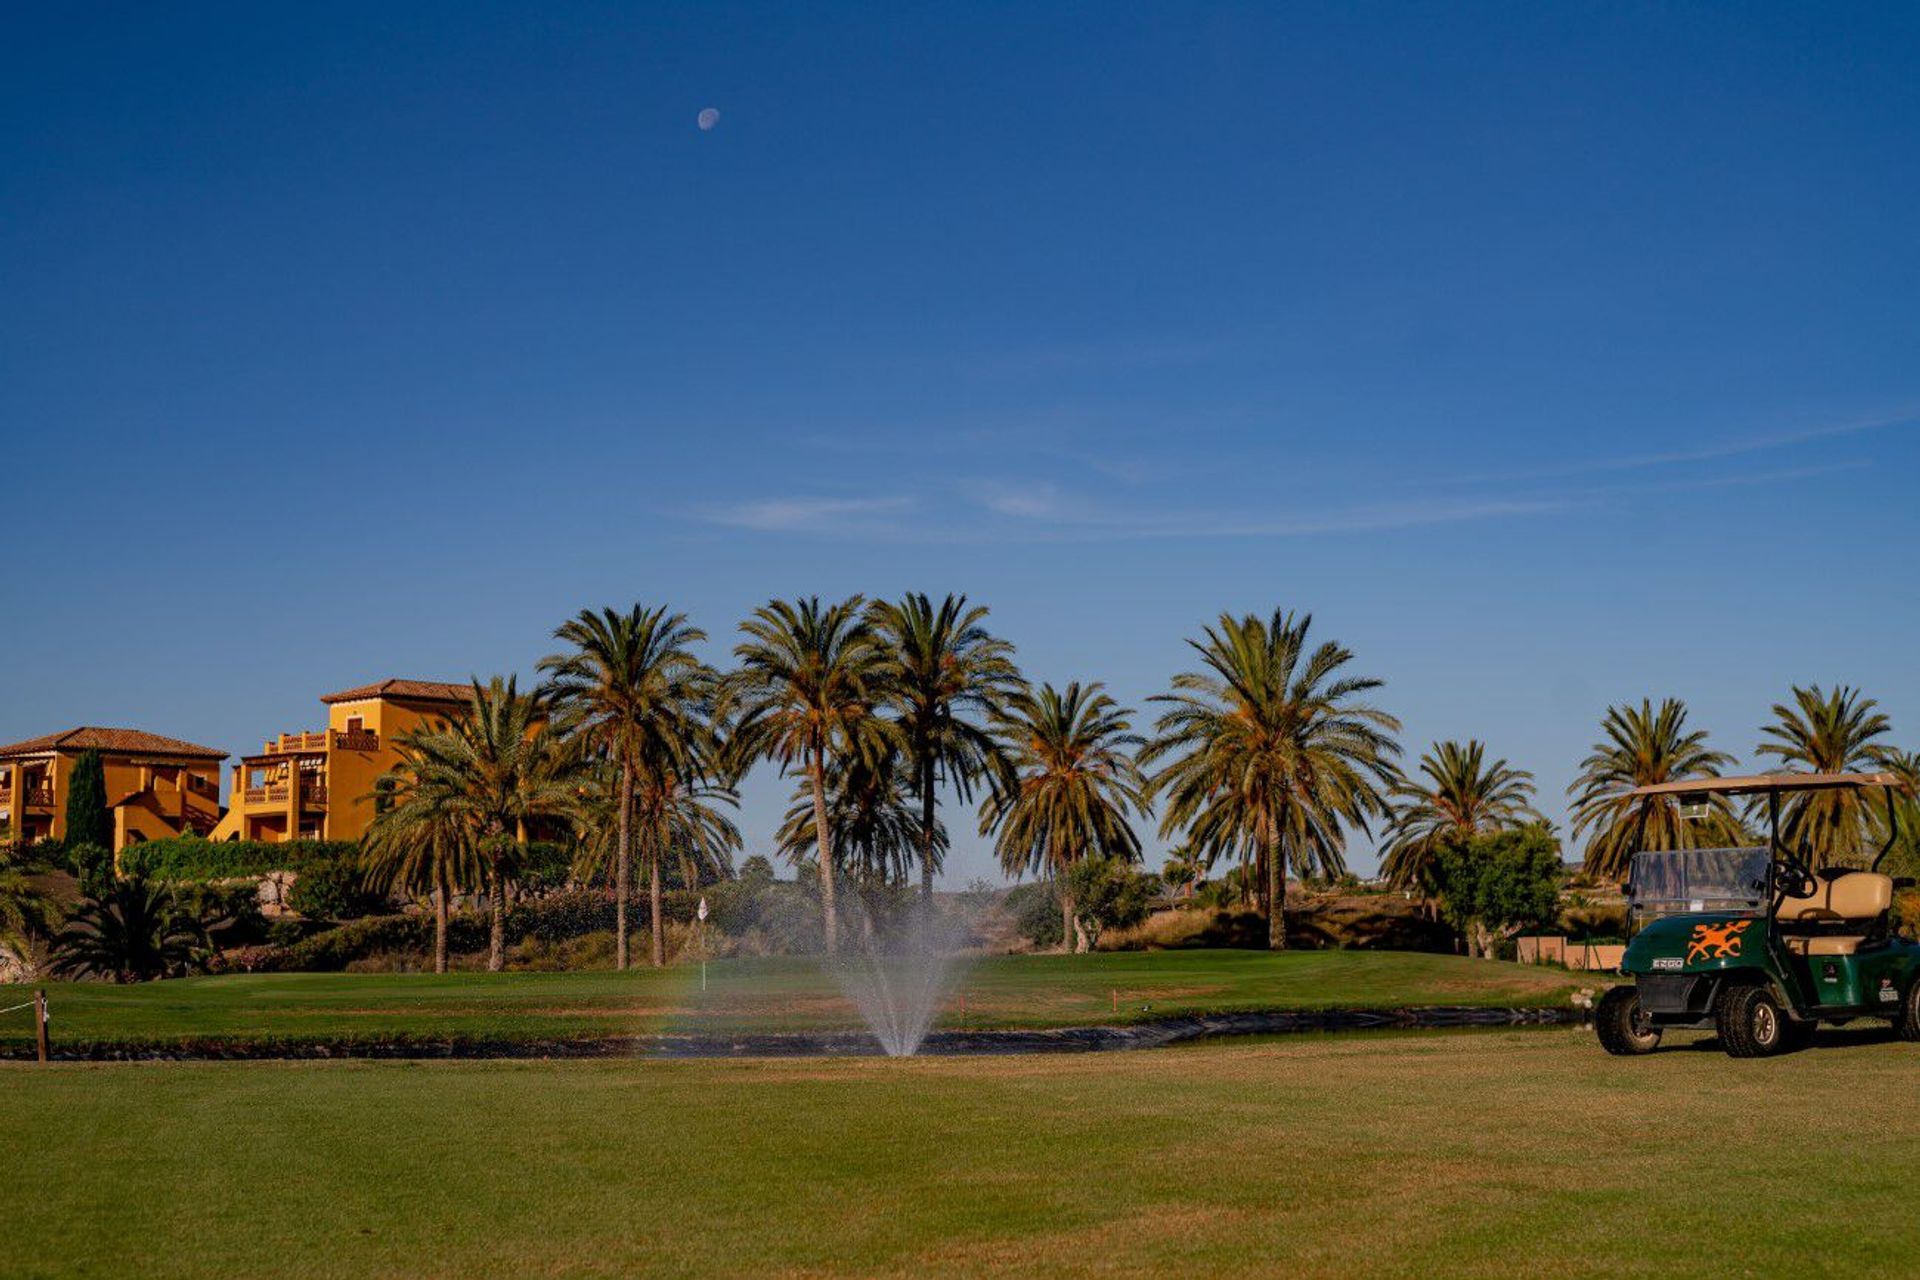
[784,912]
[187,858]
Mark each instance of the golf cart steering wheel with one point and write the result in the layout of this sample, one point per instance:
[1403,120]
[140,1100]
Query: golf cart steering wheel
[1794,878]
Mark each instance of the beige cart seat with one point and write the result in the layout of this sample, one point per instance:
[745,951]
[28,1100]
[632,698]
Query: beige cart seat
[1860,897]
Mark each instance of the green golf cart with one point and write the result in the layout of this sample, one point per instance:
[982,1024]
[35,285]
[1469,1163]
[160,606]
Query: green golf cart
[1754,943]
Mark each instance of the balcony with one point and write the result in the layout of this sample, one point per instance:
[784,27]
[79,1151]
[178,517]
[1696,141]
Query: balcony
[295,744]
[39,795]
[312,796]
[364,740]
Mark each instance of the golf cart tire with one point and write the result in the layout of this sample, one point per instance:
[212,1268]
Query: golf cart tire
[1617,1020]
[1751,1021]
[1907,1025]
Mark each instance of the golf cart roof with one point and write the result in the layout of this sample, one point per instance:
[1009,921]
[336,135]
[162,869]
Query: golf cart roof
[1766,783]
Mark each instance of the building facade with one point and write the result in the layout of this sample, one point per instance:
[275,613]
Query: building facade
[156,786]
[319,785]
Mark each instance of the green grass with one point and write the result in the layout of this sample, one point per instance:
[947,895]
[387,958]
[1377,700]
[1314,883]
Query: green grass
[1489,1153]
[767,995]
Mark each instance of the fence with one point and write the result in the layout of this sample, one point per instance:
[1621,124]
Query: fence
[1599,956]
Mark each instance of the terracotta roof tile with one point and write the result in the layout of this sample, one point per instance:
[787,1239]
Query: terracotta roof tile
[409,690]
[112,742]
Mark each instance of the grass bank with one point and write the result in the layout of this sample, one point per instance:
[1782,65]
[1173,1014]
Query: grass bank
[767,996]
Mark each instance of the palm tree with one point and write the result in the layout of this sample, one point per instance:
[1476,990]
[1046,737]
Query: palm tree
[502,767]
[1270,754]
[1827,732]
[810,683]
[1905,768]
[680,817]
[132,932]
[1462,795]
[874,830]
[1645,747]
[634,688]
[1076,786]
[421,840]
[950,677]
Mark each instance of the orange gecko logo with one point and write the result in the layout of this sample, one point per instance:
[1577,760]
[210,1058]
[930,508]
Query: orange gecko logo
[1716,941]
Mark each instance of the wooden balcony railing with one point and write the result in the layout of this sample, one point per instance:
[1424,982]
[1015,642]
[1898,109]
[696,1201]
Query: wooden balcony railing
[365,740]
[313,795]
[288,743]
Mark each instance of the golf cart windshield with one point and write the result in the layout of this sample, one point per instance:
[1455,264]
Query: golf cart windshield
[1683,880]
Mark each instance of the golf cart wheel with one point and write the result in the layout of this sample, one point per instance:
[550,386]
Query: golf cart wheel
[1751,1022]
[1907,1025]
[1623,1027]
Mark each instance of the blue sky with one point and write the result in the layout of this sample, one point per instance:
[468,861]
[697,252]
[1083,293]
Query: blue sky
[1550,356]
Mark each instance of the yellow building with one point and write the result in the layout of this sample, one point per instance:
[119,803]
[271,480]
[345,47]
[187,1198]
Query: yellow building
[156,786]
[318,786]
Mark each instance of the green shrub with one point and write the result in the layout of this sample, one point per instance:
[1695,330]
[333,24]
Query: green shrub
[334,889]
[230,912]
[1036,911]
[92,866]
[191,858]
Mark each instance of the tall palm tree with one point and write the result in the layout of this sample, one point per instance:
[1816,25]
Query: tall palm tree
[421,841]
[950,677]
[1644,747]
[874,829]
[1827,732]
[501,766]
[1076,786]
[681,818]
[632,686]
[1461,795]
[1271,755]
[811,681]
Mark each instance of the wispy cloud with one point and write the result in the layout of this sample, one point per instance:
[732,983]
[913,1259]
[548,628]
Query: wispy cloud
[806,514]
[1908,417]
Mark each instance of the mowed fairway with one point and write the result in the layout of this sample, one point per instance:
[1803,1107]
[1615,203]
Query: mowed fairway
[1491,1153]
[767,995]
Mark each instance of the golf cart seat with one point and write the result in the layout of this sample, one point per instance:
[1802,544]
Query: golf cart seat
[1839,916]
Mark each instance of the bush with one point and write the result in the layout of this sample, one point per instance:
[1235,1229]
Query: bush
[334,889]
[1036,912]
[92,866]
[191,858]
[230,912]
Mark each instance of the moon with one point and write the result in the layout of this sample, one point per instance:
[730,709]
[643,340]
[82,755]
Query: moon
[708,117]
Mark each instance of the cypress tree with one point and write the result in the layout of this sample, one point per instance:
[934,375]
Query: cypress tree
[89,821]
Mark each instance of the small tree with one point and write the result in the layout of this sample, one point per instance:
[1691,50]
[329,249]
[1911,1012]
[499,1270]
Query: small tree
[89,821]
[1492,886]
[1108,894]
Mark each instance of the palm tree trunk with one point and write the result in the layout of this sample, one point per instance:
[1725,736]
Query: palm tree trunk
[497,927]
[623,865]
[440,908]
[1067,922]
[926,833]
[826,854]
[1276,890]
[659,843]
